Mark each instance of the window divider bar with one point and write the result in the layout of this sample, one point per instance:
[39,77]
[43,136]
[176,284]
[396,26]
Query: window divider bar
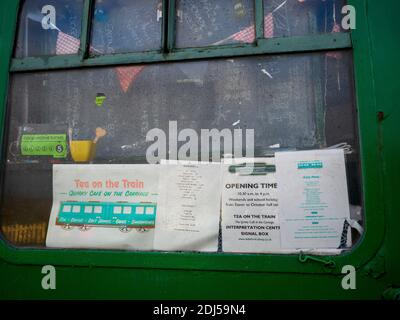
[259,18]
[87,16]
[313,43]
[171,25]
[164,31]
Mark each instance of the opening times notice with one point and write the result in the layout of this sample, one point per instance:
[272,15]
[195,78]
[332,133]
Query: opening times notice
[250,221]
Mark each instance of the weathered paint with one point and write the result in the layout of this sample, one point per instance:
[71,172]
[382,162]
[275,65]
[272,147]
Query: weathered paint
[264,46]
[149,275]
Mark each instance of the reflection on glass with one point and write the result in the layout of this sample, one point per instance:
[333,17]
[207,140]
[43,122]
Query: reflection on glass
[49,27]
[288,18]
[297,101]
[206,23]
[121,26]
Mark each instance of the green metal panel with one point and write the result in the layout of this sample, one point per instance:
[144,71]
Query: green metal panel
[183,275]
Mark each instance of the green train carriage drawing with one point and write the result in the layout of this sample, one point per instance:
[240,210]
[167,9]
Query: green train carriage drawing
[123,215]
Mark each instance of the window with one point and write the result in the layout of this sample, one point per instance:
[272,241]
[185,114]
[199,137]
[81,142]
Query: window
[210,23]
[59,38]
[299,18]
[126,26]
[282,68]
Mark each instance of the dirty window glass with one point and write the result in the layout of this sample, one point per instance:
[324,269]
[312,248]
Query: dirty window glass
[302,17]
[301,101]
[207,23]
[49,27]
[121,26]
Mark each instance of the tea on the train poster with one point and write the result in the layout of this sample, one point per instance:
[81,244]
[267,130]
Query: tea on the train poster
[103,206]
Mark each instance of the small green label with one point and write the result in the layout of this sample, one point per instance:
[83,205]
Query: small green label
[54,145]
[100,98]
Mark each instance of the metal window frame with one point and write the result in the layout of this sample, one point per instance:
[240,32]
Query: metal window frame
[168,51]
[358,41]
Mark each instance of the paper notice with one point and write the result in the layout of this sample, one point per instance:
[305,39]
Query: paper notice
[313,198]
[250,221]
[103,206]
[189,207]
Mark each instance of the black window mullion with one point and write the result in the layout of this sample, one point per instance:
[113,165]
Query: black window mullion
[164,31]
[88,8]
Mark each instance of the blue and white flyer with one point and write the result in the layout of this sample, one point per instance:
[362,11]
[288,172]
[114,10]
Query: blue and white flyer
[313,198]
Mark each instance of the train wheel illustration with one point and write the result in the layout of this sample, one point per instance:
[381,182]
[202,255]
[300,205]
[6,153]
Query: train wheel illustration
[124,229]
[84,228]
[67,227]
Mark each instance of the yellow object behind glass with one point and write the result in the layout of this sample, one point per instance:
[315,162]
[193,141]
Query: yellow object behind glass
[82,150]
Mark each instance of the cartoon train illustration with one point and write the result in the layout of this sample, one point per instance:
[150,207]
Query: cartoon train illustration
[123,215]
